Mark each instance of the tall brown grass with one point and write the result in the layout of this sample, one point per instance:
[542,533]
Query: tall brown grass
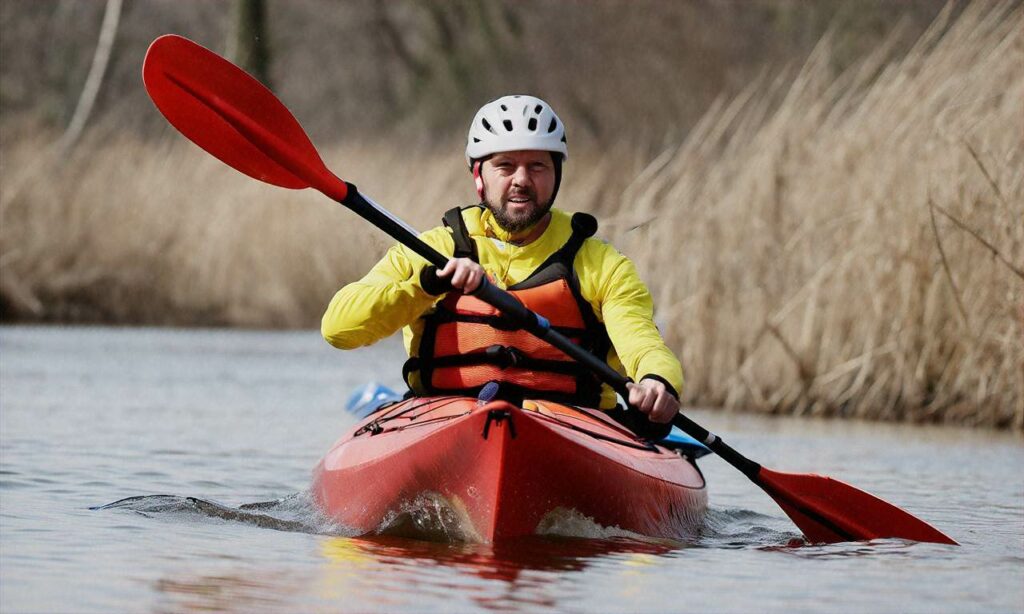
[830,245]
[856,249]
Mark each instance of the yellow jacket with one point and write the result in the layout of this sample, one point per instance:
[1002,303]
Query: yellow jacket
[389,297]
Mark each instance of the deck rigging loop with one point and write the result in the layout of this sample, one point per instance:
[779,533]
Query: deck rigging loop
[377,426]
[498,416]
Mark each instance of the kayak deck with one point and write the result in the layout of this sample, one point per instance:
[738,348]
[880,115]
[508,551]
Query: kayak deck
[505,469]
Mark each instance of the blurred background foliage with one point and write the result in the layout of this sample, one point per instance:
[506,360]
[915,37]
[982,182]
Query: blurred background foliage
[642,70]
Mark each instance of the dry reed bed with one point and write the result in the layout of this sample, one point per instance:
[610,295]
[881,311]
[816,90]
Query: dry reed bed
[130,232]
[789,240]
[857,249]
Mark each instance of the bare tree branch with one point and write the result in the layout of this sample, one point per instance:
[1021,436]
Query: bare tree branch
[100,60]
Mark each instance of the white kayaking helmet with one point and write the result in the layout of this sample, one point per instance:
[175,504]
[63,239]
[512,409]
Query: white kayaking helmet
[515,123]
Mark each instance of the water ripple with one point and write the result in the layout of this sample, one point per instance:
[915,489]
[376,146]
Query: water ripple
[295,513]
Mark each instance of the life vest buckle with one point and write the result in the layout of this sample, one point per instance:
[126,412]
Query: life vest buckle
[504,356]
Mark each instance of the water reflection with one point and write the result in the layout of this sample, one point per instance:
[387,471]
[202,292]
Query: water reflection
[388,573]
[503,575]
[887,548]
[227,592]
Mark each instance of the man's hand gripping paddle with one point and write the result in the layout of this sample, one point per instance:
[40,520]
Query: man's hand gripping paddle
[234,117]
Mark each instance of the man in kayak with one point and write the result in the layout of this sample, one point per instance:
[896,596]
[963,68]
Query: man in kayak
[545,257]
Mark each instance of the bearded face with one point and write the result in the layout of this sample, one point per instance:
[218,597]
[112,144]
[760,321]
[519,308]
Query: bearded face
[518,186]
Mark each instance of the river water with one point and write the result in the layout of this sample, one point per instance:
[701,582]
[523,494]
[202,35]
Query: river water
[219,420]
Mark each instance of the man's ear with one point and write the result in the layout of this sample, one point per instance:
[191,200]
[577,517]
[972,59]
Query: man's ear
[478,180]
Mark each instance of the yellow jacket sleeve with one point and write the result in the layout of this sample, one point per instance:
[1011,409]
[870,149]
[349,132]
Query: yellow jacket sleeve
[624,304]
[386,299]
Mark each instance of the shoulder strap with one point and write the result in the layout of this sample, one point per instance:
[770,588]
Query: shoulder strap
[584,226]
[465,247]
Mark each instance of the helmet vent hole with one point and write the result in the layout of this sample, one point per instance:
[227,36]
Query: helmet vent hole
[508,124]
[487,126]
[504,108]
[553,125]
[476,140]
[532,124]
[537,109]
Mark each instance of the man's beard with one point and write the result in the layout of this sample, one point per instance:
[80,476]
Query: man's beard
[519,221]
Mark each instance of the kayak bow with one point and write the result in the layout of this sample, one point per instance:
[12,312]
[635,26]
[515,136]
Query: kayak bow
[507,471]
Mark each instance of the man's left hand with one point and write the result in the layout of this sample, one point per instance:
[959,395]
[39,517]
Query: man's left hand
[651,397]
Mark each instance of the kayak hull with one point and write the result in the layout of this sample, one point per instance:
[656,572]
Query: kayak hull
[506,471]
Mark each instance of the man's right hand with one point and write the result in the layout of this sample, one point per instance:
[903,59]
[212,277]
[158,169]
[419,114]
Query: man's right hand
[463,274]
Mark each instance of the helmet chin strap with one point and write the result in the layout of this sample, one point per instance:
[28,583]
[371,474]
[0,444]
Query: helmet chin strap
[557,160]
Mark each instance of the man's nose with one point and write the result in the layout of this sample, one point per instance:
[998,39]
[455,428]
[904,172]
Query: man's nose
[521,176]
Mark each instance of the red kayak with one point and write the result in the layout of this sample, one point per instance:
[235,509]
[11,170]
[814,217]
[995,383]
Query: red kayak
[505,470]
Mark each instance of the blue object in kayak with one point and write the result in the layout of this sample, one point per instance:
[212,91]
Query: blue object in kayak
[369,398]
[488,393]
[678,440]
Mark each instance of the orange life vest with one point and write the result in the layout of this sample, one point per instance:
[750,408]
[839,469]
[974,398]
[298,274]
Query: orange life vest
[467,343]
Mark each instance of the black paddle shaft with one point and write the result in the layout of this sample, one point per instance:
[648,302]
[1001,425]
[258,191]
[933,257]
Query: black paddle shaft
[400,232]
[538,326]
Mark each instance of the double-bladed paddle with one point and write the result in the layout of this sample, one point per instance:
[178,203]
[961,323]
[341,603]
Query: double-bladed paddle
[234,117]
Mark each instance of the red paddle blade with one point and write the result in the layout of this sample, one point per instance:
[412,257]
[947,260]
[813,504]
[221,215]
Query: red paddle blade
[830,511]
[231,115]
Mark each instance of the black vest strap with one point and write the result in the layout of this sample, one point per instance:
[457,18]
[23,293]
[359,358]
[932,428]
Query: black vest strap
[505,357]
[465,247]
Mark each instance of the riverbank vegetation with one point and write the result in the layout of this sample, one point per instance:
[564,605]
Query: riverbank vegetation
[844,237]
